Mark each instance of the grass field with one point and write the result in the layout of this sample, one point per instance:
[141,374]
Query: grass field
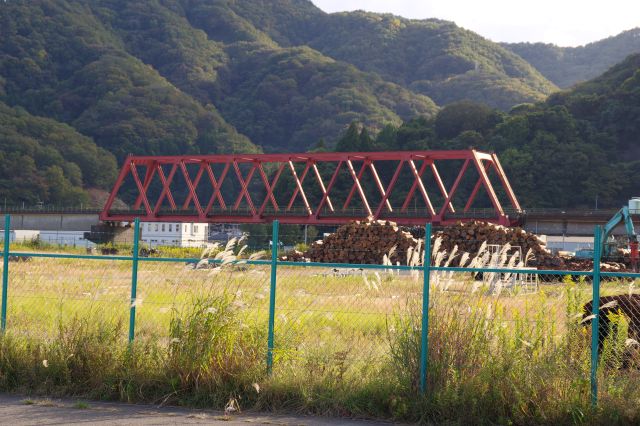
[345,345]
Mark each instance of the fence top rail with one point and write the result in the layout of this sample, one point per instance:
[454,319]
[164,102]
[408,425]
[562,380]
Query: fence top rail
[130,258]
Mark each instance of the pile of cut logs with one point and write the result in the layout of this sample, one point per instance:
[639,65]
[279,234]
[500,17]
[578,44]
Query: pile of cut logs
[574,264]
[470,236]
[293,256]
[364,243]
[369,242]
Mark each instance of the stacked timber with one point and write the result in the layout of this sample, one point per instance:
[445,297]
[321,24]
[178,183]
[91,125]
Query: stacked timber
[293,256]
[364,243]
[575,264]
[470,236]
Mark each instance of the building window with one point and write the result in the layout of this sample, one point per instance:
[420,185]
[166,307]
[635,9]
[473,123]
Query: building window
[195,228]
[163,227]
[185,228]
[171,227]
[156,227]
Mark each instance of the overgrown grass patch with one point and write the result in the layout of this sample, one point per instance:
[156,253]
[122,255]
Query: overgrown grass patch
[344,345]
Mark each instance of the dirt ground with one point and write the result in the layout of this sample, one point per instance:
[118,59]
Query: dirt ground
[22,411]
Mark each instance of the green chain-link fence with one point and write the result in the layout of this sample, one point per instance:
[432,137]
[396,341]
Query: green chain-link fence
[441,326]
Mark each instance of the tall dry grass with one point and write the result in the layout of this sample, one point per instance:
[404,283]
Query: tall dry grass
[487,365]
[208,360]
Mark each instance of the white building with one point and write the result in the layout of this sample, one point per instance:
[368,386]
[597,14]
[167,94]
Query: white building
[65,238]
[57,238]
[174,234]
[22,236]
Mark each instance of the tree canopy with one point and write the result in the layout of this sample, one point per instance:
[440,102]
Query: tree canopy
[579,145]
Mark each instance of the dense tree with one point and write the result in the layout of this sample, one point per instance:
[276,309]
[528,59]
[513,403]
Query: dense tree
[553,157]
[351,139]
[457,117]
[42,160]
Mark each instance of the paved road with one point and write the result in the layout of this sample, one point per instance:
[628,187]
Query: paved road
[21,411]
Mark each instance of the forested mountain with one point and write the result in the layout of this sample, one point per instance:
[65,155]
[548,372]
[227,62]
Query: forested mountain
[566,66]
[432,57]
[139,77]
[99,65]
[579,145]
[115,77]
[59,59]
[611,103]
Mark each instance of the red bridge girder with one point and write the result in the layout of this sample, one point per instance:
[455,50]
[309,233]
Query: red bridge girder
[253,195]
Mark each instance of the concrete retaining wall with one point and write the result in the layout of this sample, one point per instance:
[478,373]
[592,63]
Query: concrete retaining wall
[52,221]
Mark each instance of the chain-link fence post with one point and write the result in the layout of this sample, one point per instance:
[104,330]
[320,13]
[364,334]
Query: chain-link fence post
[5,271]
[134,280]
[595,334]
[272,294]
[424,352]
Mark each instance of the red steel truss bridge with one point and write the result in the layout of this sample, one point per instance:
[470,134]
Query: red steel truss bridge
[410,188]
